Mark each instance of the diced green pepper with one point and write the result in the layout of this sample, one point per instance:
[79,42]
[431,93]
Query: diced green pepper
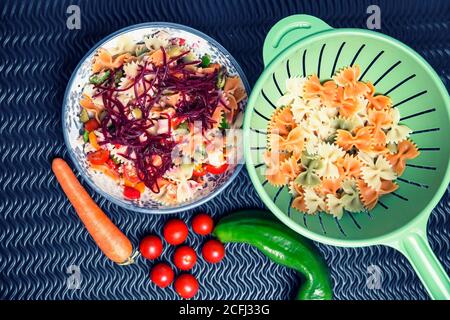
[224,123]
[99,78]
[84,116]
[206,60]
[86,136]
[220,79]
[141,49]
[117,76]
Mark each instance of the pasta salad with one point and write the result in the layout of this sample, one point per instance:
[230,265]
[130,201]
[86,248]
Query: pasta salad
[154,113]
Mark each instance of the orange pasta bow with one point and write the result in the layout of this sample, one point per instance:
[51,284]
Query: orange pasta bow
[348,107]
[377,102]
[289,168]
[234,93]
[379,120]
[348,78]
[273,160]
[326,92]
[87,103]
[350,165]
[299,197]
[362,139]
[406,150]
[103,60]
[293,143]
[329,186]
[282,122]
[369,197]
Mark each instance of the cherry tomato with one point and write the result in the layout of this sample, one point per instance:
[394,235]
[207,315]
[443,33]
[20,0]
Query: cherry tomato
[162,275]
[202,224]
[216,170]
[131,193]
[175,231]
[213,251]
[91,125]
[199,171]
[184,258]
[151,247]
[98,157]
[186,286]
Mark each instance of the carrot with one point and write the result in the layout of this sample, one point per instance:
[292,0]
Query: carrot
[114,244]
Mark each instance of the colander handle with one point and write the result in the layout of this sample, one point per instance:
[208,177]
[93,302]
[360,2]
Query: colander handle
[288,31]
[430,271]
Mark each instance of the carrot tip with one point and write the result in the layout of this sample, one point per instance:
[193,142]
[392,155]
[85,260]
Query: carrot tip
[131,259]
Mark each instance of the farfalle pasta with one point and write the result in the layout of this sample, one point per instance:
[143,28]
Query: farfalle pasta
[336,144]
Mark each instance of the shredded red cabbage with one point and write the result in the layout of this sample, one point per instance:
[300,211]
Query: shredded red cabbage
[199,97]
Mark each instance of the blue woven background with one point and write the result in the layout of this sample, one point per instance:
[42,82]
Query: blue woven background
[40,235]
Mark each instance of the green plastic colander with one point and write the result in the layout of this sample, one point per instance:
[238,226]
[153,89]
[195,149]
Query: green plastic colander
[300,45]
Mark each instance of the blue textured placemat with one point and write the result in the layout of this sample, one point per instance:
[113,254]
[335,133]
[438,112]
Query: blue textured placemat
[40,235]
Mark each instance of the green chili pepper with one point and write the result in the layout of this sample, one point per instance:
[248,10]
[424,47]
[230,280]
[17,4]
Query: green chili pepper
[206,60]
[281,245]
[86,136]
[99,78]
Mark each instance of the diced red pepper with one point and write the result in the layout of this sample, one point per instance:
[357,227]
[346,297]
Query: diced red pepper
[131,193]
[216,170]
[91,125]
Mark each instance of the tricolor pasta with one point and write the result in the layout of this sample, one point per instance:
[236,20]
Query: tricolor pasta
[336,144]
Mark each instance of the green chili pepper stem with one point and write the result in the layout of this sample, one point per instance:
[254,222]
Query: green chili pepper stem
[281,245]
